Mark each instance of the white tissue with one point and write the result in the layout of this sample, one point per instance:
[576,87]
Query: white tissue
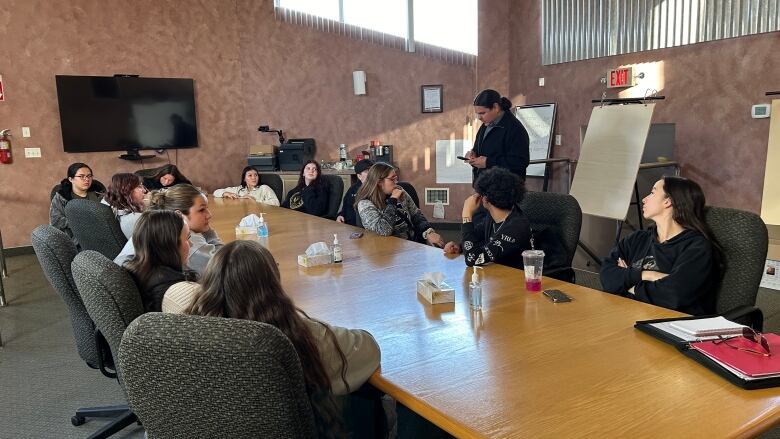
[436,278]
[250,221]
[318,248]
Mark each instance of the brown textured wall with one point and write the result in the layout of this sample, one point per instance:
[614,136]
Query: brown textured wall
[709,89]
[248,68]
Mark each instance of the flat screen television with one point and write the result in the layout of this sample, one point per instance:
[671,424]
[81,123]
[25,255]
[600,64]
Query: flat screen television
[115,113]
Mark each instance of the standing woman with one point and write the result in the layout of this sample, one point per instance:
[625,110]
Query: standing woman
[125,195]
[161,241]
[311,194]
[167,176]
[194,207]
[243,281]
[386,209]
[501,140]
[78,184]
[250,188]
[673,264]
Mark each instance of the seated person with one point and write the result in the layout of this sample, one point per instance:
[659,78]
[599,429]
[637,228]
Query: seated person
[125,195]
[312,192]
[505,232]
[161,241]
[347,214]
[193,205]
[386,209]
[167,176]
[250,187]
[243,281]
[78,184]
[672,264]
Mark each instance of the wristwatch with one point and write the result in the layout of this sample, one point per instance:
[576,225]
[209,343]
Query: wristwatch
[466,219]
[427,232]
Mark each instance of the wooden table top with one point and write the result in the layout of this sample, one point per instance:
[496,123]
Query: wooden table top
[523,366]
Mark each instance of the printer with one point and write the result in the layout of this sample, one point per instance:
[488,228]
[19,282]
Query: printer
[294,153]
[262,158]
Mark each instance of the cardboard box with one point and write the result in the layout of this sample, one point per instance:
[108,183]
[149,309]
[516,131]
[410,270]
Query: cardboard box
[433,294]
[262,150]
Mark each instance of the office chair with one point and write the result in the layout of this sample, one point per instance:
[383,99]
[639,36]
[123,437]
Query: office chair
[743,240]
[555,224]
[194,376]
[95,227]
[274,181]
[411,191]
[335,192]
[55,252]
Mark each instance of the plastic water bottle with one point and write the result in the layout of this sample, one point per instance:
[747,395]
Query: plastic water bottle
[475,291]
[262,229]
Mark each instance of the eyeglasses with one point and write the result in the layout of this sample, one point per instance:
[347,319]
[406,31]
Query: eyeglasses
[750,335]
[393,179]
[83,177]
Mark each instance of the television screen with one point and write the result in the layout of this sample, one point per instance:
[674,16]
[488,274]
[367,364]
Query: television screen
[106,113]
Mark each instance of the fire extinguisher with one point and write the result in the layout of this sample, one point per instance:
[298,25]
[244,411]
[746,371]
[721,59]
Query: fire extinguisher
[5,147]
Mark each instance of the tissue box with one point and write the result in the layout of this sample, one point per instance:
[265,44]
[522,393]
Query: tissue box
[305,260]
[246,230]
[433,294]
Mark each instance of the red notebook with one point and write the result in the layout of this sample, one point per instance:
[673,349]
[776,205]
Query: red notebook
[748,363]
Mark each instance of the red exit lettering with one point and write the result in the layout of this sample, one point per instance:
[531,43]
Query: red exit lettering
[620,77]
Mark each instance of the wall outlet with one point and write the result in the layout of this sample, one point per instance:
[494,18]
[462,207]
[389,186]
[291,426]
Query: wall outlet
[25,131]
[32,153]
[541,82]
[558,140]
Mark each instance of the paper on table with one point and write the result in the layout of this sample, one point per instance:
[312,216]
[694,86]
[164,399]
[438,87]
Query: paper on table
[668,328]
[706,327]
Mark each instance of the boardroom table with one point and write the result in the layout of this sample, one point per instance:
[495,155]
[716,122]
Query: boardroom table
[522,366]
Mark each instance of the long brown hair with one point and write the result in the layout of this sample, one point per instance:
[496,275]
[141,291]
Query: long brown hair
[318,183]
[178,177]
[119,194]
[370,190]
[242,281]
[156,239]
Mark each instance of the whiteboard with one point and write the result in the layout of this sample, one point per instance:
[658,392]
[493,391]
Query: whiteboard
[609,159]
[770,202]
[450,169]
[539,121]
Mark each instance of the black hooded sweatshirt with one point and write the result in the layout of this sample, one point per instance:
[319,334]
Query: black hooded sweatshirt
[687,259]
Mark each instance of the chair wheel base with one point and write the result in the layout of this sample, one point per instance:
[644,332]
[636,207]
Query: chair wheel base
[77,420]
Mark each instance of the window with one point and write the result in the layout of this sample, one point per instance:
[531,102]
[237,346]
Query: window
[596,28]
[445,24]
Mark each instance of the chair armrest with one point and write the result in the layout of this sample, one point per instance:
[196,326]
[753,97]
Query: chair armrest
[752,314]
[103,349]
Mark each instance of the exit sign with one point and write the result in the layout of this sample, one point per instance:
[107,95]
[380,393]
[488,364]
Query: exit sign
[622,77]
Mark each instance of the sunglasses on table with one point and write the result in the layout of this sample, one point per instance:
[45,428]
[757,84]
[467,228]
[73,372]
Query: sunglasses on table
[750,335]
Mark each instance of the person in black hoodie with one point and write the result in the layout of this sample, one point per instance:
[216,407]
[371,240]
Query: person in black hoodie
[506,231]
[161,242]
[311,194]
[673,264]
[80,183]
[501,141]
[348,214]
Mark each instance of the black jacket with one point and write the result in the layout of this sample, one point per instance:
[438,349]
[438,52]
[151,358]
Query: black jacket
[688,259]
[348,206]
[162,278]
[505,146]
[500,243]
[308,199]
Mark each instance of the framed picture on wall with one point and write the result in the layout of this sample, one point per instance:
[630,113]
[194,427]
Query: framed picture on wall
[431,98]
